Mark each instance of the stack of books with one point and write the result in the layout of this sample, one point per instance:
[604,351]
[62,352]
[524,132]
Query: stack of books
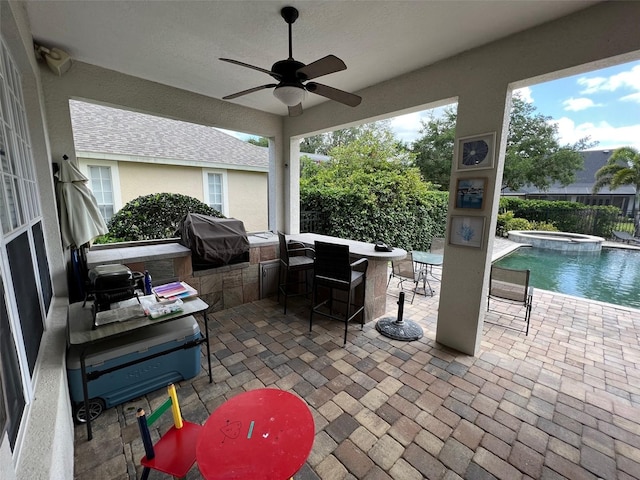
[173,291]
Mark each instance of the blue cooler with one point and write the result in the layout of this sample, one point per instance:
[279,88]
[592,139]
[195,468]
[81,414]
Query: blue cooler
[138,379]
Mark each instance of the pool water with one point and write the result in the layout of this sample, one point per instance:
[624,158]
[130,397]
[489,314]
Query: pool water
[611,275]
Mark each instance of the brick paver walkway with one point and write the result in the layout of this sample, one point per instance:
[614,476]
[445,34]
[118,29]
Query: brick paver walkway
[563,402]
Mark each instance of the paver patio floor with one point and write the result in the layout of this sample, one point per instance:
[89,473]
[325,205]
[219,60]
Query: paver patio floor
[562,402]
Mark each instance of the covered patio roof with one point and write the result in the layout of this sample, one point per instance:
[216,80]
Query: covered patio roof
[179,43]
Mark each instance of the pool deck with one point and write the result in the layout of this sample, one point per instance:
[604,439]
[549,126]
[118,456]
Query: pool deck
[562,402]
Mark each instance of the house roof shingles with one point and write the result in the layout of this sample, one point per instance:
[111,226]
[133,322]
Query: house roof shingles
[107,130]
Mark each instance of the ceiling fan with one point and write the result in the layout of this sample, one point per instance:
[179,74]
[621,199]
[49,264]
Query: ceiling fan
[291,75]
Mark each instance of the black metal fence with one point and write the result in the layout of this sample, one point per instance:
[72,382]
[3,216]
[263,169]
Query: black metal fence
[588,221]
[313,222]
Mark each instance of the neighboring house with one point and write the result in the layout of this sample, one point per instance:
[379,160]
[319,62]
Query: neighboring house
[128,154]
[582,189]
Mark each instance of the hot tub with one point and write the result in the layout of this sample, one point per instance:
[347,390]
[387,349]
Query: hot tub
[568,242]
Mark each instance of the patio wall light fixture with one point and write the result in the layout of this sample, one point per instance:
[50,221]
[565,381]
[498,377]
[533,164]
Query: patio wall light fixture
[57,60]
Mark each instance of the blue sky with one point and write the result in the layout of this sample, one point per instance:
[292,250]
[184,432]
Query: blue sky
[603,104]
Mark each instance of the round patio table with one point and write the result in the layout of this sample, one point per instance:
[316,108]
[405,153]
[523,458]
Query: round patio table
[261,434]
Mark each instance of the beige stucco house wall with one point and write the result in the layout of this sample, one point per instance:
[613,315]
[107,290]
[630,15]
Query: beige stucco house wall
[146,154]
[247,197]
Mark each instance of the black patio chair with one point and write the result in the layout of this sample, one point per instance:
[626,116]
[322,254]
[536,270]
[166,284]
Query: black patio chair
[296,262]
[335,272]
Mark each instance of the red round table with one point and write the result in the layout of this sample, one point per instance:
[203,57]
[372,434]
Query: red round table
[261,434]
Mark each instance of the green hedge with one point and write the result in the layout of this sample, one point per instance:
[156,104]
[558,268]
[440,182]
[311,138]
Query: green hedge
[409,222]
[565,216]
[154,216]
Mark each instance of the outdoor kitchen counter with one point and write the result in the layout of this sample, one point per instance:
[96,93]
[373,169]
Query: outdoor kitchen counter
[136,254]
[375,298]
[139,258]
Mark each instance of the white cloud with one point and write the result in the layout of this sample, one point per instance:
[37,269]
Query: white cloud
[239,135]
[607,135]
[629,79]
[407,127]
[524,93]
[577,104]
[592,84]
[634,97]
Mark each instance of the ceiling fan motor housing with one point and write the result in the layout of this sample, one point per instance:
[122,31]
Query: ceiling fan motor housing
[287,72]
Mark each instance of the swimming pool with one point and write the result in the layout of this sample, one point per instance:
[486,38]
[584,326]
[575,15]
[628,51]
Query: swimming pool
[611,275]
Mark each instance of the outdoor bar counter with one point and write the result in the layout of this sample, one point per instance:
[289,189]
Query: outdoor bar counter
[376,293]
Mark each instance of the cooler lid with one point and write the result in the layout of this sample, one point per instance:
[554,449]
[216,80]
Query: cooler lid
[139,341]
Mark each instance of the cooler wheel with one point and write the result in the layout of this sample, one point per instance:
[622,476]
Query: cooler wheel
[96,406]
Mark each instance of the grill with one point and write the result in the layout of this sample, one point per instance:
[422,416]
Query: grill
[214,242]
[108,284]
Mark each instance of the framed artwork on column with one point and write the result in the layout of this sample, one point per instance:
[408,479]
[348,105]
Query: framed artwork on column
[470,192]
[476,152]
[466,231]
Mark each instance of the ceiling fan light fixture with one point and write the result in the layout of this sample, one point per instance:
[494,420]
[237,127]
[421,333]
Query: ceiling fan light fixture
[289,95]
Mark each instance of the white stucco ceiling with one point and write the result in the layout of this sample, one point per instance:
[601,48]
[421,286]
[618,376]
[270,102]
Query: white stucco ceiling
[178,43]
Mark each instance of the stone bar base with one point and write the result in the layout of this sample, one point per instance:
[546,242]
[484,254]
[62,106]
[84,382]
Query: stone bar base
[232,285]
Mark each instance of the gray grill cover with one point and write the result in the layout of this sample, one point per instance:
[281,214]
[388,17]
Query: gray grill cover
[214,241]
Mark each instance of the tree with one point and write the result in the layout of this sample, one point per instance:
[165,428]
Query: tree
[534,155]
[434,150]
[308,167]
[260,142]
[622,168]
[370,190]
[323,143]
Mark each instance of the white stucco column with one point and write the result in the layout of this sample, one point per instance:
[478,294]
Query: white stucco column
[291,172]
[466,269]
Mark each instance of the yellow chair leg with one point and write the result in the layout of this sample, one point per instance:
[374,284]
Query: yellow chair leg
[175,406]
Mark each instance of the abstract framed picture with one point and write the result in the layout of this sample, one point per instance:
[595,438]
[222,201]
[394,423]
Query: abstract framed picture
[476,152]
[470,192]
[466,231]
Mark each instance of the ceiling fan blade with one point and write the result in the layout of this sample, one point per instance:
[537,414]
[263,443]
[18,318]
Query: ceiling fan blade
[242,64]
[324,66]
[251,90]
[341,96]
[295,111]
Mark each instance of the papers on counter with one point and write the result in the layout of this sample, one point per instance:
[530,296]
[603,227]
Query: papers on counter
[173,291]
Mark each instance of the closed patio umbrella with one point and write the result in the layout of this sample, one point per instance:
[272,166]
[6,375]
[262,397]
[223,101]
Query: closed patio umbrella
[80,218]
